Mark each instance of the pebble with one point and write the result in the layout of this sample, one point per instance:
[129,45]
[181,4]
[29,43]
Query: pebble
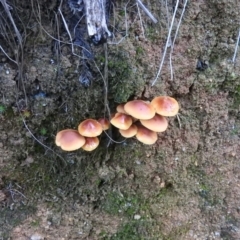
[137,217]
[2,196]
[36,236]
[33,69]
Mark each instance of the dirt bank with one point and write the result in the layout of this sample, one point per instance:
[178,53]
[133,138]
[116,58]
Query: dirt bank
[186,186]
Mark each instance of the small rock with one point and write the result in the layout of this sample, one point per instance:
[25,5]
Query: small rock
[233,154]
[131,176]
[162,184]
[27,161]
[36,236]
[137,217]
[157,179]
[2,196]
[33,69]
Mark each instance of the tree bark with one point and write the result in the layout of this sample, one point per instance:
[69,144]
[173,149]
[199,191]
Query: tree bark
[96,19]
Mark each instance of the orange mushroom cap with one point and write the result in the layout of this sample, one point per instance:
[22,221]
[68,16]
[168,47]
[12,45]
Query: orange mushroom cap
[69,140]
[139,109]
[165,106]
[105,123]
[146,136]
[120,108]
[130,132]
[90,128]
[121,121]
[91,144]
[157,124]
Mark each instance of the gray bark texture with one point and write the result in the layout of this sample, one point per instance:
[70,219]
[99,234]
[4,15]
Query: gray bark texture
[96,18]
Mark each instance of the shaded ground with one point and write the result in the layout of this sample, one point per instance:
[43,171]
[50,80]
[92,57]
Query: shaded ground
[186,186]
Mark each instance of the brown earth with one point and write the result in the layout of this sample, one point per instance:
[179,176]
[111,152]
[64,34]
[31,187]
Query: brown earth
[186,186]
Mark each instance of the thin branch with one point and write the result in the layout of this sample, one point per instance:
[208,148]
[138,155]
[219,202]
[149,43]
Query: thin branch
[126,27]
[147,11]
[114,140]
[179,121]
[52,37]
[139,13]
[106,105]
[33,136]
[168,26]
[167,12]
[69,34]
[106,81]
[66,27]
[173,42]
[14,191]
[8,55]
[167,43]
[6,8]
[236,47]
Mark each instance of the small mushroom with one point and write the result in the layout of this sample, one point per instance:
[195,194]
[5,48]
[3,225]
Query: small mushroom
[165,106]
[157,124]
[105,123]
[120,108]
[90,144]
[145,135]
[69,140]
[121,121]
[130,132]
[90,128]
[139,109]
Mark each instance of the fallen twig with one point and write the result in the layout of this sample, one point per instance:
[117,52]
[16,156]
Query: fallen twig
[173,42]
[139,2]
[8,55]
[236,47]
[14,192]
[167,44]
[126,27]
[37,140]
[140,20]
[7,10]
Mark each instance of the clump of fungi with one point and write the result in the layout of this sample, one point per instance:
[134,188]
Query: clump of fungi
[86,137]
[137,118]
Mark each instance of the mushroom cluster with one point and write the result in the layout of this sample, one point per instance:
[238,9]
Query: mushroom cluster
[135,118]
[86,137]
[145,119]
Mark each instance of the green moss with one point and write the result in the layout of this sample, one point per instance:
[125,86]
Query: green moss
[2,109]
[122,84]
[43,131]
[9,113]
[11,218]
[236,97]
[133,230]
[151,33]
[235,131]
[231,85]
[26,114]
[139,51]
[117,204]
[131,148]
[35,223]
[165,192]
[204,191]
[178,232]
[100,59]
[146,229]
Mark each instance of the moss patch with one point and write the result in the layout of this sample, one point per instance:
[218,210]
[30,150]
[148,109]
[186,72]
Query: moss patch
[11,218]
